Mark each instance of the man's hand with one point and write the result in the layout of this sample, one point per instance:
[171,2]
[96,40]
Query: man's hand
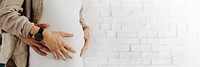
[34,44]
[87,40]
[55,42]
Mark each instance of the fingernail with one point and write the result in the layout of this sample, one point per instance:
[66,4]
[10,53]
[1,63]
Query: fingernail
[64,59]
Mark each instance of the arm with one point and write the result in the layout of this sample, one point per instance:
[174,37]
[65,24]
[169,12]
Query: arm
[87,32]
[36,46]
[82,20]
[13,23]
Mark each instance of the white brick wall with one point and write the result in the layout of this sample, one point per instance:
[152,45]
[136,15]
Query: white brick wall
[143,33]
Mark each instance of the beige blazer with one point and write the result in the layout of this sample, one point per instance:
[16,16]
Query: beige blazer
[13,24]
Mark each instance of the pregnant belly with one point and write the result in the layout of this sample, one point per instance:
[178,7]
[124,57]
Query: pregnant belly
[77,41]
[69,27]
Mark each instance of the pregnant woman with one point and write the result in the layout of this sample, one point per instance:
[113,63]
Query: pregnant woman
[66,16]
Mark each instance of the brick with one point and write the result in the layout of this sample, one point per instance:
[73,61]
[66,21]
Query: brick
[129,40]
[182,27]
[111,34]
[99,34]
[116,27]
[161,48]
[152,34]
[170,34]
[138,20]
[107,20]
[142,34]
[132,4]
[94,26]
[145,13]
[122,20]
[121,48]
[108,47]
[91,61]
[134,27]
[90,54]
[188,34]
[105,27]
[162,41]
[93,1]
[181,61]
[140,61]
[119,61]
[161,34]
[162,61]
[103,61]
[141,48]
[109,66]
[99,6]
[193,27]
[130,54]
[164,54]
[177,20]
[133,65]
[108,54]
[116,4]
[119,41]
[126,35]
[117,13]
[164,12]
[92,12]
[192,20]
[159,27]
[105,13]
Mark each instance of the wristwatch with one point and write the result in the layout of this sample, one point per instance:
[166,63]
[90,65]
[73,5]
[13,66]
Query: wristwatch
[38,36]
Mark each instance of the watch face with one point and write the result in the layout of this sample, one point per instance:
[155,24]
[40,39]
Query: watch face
[38,37]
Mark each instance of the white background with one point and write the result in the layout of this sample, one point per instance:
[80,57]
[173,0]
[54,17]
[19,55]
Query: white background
[143,33]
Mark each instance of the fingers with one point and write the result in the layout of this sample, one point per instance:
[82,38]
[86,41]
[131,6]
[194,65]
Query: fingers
[61,55]
[84,47]
[37,50]
[69,48]
[42,25]
[83,50]
[66,34]
[55,55]
[81,54]
[41,46]
[67,53]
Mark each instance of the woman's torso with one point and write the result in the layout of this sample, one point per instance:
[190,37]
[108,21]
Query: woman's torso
[63,15]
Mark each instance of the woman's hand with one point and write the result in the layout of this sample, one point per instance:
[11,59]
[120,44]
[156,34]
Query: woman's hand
[54,41]
[87,40]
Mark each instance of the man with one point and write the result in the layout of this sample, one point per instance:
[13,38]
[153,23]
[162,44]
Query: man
[15,48]
[0,39]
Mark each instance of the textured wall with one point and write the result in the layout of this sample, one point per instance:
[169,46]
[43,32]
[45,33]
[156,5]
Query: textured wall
[143,33]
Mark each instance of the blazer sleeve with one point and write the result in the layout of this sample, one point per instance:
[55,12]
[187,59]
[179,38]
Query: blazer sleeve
[12,22]
[82,20]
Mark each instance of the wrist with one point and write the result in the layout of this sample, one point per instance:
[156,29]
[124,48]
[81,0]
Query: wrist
[87,27]
[34,30]
[45,35]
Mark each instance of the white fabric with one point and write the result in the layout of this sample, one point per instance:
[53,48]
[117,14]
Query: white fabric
[61,15]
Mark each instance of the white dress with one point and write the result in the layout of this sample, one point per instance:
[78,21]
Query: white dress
[61,15]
